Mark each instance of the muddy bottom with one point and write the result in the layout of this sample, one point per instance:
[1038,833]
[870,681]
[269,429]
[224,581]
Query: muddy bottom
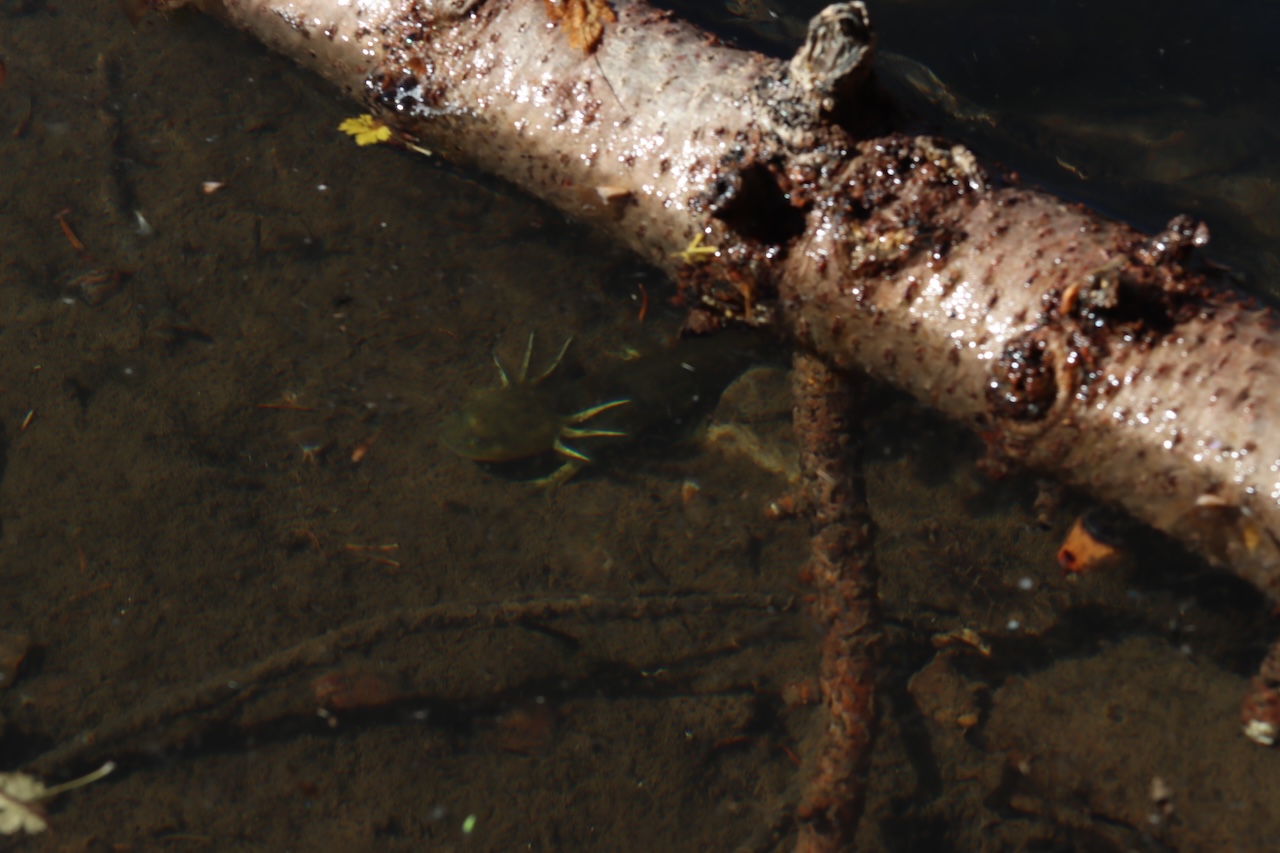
[235,553]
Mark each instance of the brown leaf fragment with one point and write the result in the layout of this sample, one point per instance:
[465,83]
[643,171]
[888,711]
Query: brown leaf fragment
[582,20]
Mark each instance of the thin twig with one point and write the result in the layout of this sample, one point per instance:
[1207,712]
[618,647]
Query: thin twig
[217,698]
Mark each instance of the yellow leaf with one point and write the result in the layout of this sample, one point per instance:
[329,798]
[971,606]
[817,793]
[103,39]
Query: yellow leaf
[696,252]
[582,20]
[366,129]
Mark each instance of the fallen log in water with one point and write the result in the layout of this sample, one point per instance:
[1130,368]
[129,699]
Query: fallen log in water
[1073,344]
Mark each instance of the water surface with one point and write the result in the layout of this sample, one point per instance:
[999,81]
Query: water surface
[220,414]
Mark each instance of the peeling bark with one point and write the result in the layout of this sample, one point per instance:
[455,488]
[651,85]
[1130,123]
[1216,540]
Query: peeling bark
[1074,344]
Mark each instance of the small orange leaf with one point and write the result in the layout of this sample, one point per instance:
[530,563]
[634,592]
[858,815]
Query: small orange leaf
[583,20]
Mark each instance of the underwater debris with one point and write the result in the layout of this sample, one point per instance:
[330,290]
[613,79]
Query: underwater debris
[22,799]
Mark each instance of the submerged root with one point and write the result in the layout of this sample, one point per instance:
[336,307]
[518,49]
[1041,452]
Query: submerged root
[842,573]
[185,712]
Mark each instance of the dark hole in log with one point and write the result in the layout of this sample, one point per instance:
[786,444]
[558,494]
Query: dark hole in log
[749,201]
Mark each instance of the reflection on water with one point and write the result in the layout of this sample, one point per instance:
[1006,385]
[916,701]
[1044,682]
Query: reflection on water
[221,414]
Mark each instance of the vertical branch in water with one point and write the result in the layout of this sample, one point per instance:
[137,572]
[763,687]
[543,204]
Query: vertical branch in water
[842,572]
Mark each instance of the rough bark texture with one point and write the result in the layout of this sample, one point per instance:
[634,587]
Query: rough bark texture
[1073,344]
[842,573]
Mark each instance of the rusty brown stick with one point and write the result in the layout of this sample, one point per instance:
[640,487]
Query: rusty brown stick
[842,572]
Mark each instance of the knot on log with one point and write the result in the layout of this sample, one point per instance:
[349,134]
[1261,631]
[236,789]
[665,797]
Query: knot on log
[1024,380]
[836,57]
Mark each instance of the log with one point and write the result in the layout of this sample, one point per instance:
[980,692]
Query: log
[1073,344]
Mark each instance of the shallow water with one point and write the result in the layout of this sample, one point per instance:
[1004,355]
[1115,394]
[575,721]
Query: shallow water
[219,442]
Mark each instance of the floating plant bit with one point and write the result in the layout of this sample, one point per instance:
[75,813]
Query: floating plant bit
[361,450]
[67,231]
[96,286]
[22,798]
[1093,543]
[312,441]
[366,129]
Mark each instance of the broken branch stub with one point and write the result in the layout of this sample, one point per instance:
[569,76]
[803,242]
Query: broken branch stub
[835,60]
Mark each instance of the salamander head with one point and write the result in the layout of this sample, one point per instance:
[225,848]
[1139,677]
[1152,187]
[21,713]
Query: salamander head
[516,421]
[502,424]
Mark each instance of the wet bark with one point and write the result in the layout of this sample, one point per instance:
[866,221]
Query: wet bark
[841,571]
[1073,344]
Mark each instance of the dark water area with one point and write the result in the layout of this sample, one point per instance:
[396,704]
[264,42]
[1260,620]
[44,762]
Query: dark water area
[239,563]
[1136,108]
[1142,110]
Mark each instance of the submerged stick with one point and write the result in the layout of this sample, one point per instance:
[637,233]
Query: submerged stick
[202,705]
[842,573]
[1075,345]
